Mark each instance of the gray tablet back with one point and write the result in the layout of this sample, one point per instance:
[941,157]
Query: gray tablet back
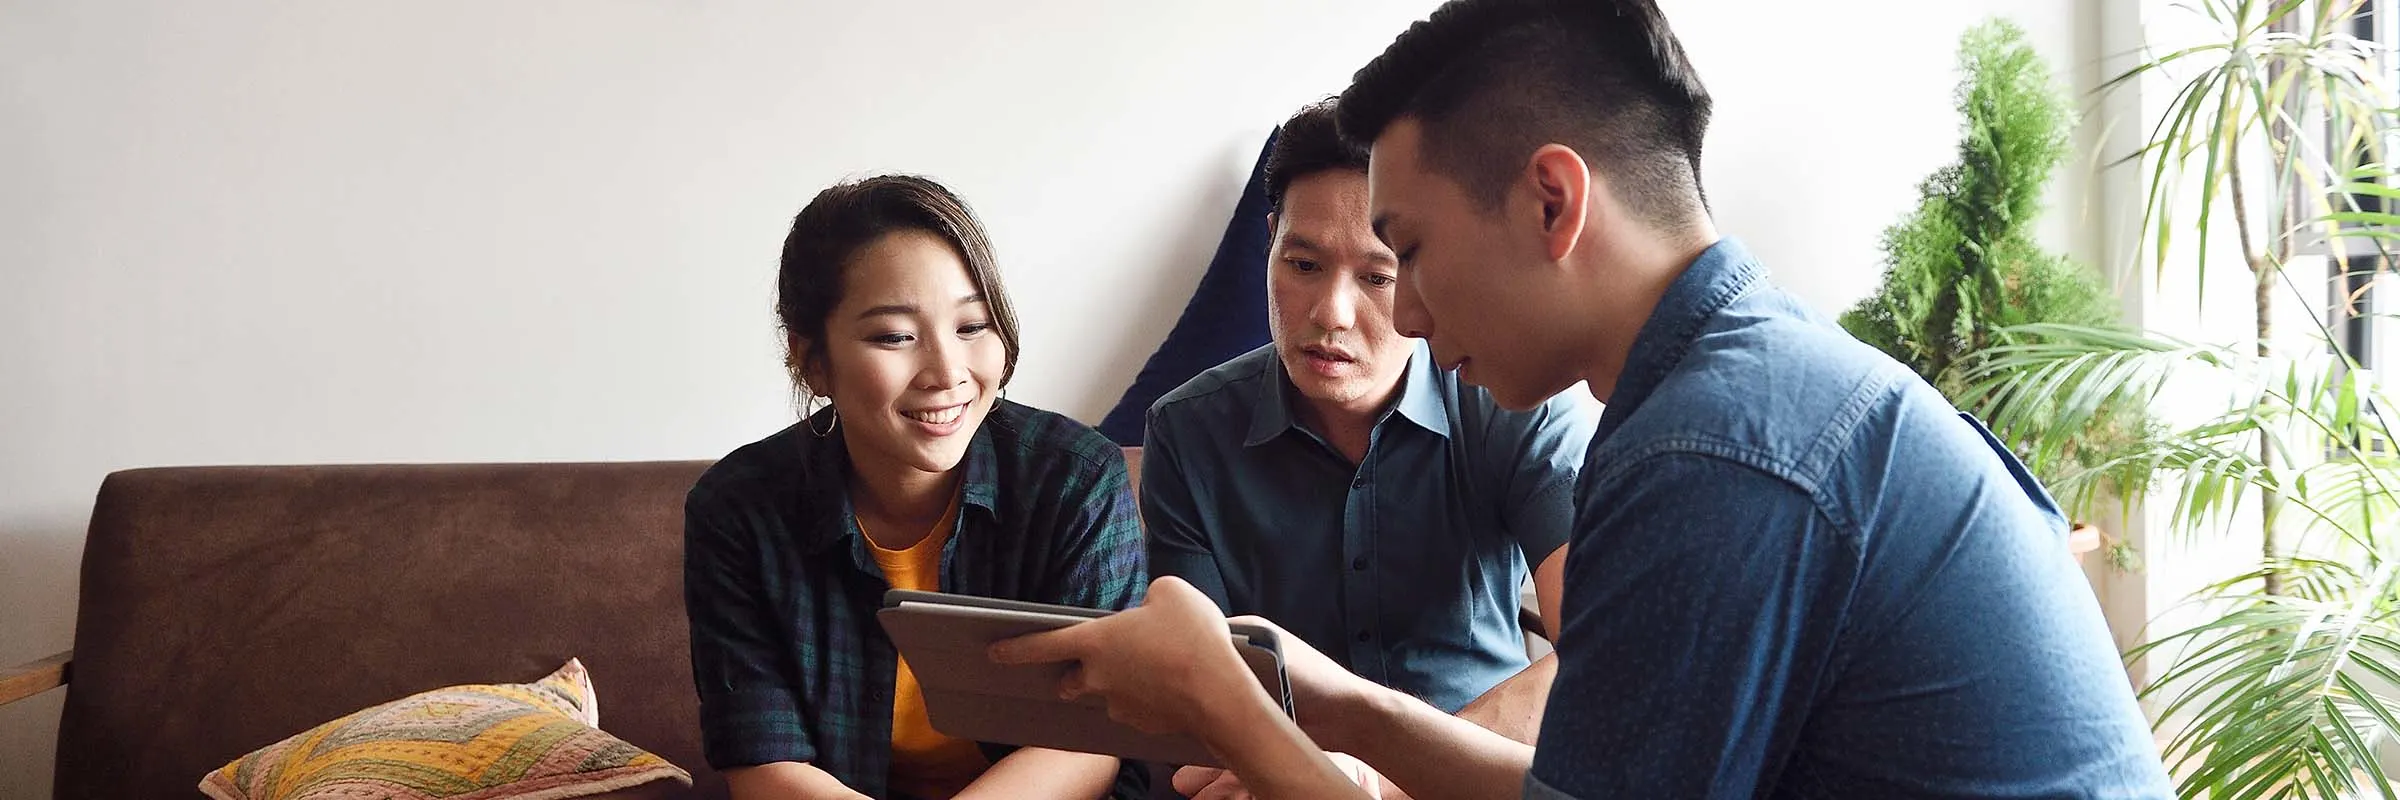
[969,696]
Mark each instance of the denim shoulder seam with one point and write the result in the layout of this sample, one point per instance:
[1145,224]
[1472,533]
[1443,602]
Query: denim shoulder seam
[1805,472]
[1832,444]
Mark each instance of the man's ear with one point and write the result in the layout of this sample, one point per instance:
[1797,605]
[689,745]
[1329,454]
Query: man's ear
[1562,186]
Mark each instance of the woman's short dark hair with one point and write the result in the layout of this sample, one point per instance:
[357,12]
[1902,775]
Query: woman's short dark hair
[847,217]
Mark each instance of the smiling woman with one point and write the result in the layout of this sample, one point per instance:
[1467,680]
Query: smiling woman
[914,475]
[915,352]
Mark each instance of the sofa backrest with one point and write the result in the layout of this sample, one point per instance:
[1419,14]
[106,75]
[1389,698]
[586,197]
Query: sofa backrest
[225,608]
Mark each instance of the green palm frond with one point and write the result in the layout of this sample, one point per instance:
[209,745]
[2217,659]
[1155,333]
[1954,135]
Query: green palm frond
[2055,385]
[2285,696]
[2282,118]
[2267,70]
[2320,415]
[2349,500]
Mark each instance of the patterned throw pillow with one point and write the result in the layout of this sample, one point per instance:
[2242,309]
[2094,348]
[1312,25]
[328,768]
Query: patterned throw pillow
[524,741]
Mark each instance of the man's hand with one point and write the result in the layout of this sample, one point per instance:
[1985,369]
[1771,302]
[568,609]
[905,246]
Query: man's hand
[1169,667]
[1211,783]
[1162,667]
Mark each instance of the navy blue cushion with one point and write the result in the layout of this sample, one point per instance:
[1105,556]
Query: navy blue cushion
[1227,315]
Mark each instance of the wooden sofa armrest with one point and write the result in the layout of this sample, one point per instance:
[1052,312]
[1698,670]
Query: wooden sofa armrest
[1531,620]
[26,680]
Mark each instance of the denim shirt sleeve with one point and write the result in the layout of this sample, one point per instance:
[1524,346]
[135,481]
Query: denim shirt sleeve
[1539,452]
[1703,598]
[749,712]
[1177,536]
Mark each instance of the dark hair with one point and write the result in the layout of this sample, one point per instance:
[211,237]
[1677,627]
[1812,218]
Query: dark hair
[1308,143]
[1491,80]
[846,218]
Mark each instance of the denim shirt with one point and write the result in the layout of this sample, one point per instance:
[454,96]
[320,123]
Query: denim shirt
[1798,572]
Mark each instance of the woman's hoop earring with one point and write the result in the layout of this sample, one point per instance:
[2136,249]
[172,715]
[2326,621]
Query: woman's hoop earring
[832,413]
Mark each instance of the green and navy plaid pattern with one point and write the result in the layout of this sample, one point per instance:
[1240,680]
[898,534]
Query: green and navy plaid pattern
[782,590]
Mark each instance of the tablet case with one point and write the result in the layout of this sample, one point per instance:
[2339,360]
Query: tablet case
[945,638]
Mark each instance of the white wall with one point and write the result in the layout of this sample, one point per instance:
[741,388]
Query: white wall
[250,232]
[1829,114]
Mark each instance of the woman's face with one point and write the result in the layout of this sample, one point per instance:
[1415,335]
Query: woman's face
[911,359]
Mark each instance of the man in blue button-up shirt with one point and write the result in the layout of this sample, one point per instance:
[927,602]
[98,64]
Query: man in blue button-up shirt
[1797,571]
[1340,484]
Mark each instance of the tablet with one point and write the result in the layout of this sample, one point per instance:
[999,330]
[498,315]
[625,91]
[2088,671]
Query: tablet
[967,695]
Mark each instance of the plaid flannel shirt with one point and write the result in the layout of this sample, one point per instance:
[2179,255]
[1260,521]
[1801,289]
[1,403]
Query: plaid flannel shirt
[782,591]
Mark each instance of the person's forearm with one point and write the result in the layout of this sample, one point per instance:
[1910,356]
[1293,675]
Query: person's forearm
[1041,772]
[1514,707]
[1428,753]
[1275,759]
[786,780]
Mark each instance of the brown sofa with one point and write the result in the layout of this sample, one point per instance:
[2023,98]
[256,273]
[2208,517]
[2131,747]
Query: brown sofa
[224,608]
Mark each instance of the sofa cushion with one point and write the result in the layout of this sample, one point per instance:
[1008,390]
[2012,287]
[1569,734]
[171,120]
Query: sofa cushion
[531,741]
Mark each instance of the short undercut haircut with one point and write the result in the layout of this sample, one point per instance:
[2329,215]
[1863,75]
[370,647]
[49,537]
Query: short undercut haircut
[1489,81]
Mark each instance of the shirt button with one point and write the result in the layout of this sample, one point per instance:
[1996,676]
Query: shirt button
[1359,563]
[1358,482]
[1363,636]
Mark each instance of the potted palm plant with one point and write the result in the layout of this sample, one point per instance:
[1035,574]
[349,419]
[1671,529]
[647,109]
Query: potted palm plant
[2287,687]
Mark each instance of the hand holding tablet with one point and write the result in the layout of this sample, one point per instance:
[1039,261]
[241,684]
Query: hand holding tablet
[947,639]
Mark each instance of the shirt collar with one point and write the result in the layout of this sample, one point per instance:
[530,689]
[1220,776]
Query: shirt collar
[982,481]
[1273,414]
[1421,393]
[1722,274]
[1420,399]
[825,485]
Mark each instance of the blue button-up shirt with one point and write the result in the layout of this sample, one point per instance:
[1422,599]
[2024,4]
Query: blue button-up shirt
[1404,567]
[1799,572]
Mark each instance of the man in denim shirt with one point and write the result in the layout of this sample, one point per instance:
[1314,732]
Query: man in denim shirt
[1796,570]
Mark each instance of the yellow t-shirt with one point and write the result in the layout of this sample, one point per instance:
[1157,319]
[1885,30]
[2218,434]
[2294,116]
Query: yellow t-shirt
[925,762]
